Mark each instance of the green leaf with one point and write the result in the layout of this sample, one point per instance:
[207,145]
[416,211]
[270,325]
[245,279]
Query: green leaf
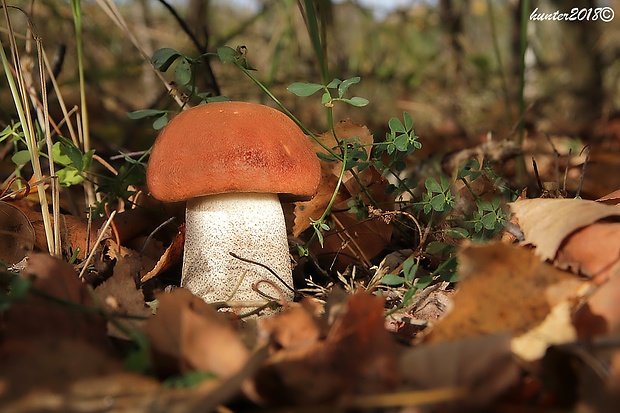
[59,157]
[326,157]
[357,101]
[396,126]
[410,268]
[214,99]
[21,157]
[76,157]
[408,121]
[438,202]
[432,185]
[445,183]
[161,122]
[423,282]
[401,142]
[436,248]
[489,221]
[458,233]
[408,296]
[163,58]
[227,54]
[189,379]
[346,84]
[333,84]
[326,98]
[69,176]
[391,279]
[145,113]
[183,72]
[304,89]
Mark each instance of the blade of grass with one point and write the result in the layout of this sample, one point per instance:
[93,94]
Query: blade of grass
[20,97]
[312,23]
[76,10]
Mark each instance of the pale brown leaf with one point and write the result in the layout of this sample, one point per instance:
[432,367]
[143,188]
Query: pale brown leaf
[547,222]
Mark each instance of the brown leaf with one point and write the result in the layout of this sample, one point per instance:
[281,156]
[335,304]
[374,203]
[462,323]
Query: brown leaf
[171,256]
[593,251]
[547,222]
[187,334]
[505,288]
[294,329]
[16,234]
[481,366]
[357,357]
[120,294]
[330,173]
[601,313]
[38,316]
[611,199]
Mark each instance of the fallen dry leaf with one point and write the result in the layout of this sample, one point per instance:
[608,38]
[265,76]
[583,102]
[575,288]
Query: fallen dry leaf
[120,294]
[187,334]
[506,288]
[171,255]
[611,199]
[16,234]
[593,251]
[600,314]
[547,222]
[38,316]
[330,172]
[358,356]
[483,367]
[350,240]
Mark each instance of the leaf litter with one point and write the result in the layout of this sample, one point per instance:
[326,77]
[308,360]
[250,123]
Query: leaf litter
[500,332]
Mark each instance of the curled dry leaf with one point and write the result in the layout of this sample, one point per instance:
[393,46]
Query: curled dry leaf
[16,234]
[171,255]
[506,288]
[187,334]
[547,222]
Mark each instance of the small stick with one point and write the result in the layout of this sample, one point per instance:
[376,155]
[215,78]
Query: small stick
[232,254]
[99,239]
[540,185]
[583,170]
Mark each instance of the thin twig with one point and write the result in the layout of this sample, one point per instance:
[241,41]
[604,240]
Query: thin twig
[260,264]
[583,169]
[99,239]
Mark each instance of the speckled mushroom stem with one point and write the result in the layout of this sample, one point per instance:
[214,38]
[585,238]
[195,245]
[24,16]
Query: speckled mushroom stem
[252,226]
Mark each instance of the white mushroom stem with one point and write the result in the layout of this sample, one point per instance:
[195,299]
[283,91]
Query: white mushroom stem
[250,225]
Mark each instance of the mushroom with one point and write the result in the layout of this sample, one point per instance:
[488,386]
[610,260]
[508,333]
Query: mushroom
[231,161]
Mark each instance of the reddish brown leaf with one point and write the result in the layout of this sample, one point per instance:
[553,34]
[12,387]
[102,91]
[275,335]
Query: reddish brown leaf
[593,251]
[357,357]
[188,334]
[38,316]
[171,256]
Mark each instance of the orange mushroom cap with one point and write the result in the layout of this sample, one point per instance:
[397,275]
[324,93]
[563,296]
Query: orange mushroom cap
[229,147]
